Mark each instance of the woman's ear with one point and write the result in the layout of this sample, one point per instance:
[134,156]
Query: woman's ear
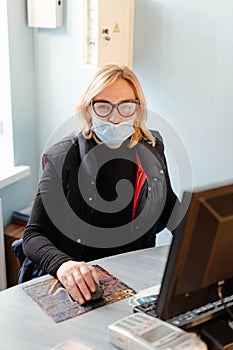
[141,114]
[87,113]
[137,116]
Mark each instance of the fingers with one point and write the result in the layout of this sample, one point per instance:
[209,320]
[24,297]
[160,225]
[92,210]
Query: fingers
[94,274]
[78,279]
[84,280]
[71,286]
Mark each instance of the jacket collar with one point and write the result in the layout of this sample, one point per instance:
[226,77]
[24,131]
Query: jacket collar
[150,159]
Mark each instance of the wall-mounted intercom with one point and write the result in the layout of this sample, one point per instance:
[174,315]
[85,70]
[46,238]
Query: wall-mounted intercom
[108,32]
[45,13]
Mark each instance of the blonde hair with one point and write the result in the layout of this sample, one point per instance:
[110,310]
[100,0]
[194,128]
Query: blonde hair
[104,77]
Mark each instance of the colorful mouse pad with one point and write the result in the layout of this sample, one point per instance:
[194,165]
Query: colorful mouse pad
[53,298]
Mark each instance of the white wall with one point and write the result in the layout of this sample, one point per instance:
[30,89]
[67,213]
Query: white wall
[2,253]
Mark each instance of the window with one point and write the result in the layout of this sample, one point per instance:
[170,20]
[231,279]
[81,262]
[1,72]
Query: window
[8,172]
[6,134]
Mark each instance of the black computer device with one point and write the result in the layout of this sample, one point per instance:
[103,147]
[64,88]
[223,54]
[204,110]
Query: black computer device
[197,284]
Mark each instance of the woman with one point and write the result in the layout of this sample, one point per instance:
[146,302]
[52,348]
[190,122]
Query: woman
[103,192]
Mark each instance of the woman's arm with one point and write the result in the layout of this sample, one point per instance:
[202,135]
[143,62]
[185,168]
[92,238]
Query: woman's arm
[49,248]
[171,197]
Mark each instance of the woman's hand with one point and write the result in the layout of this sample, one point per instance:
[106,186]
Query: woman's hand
[78,279]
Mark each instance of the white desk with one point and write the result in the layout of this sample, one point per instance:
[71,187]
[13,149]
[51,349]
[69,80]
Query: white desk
[23,325]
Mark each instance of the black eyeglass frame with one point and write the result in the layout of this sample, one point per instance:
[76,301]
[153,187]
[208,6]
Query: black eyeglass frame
[115,105]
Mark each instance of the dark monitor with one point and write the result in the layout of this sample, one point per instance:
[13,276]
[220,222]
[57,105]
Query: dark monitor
[201,254]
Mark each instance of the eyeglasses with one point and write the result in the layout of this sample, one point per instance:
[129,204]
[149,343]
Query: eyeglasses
[104,108]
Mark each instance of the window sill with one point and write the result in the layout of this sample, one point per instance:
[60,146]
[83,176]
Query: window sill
[9,175]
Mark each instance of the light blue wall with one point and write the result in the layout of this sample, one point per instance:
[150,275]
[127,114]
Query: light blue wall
[183,54]
[60,71]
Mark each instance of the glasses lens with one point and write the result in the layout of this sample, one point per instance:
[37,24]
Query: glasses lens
[127,109]
[102,109]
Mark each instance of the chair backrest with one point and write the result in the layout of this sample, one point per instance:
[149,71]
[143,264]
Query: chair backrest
[28,269]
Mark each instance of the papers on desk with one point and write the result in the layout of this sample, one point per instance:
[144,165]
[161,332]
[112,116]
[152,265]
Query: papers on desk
[149,291]
[144,295]
[55,301]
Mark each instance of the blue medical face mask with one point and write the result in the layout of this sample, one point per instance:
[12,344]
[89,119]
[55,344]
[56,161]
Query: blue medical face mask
[112,134]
